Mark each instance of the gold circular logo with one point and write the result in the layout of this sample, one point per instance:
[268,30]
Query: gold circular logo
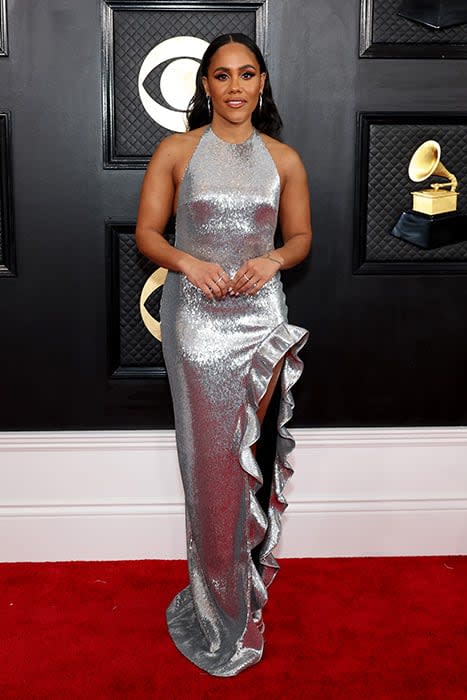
[153,282]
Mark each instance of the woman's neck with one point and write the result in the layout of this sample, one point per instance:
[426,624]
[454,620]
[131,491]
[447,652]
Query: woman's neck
[234,133]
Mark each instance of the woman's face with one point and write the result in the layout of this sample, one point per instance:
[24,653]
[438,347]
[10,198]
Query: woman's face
[234,82]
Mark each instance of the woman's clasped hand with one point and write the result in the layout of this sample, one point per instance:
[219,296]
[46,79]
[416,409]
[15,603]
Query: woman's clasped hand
[215,283]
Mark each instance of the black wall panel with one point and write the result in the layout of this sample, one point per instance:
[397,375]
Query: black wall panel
[385,349]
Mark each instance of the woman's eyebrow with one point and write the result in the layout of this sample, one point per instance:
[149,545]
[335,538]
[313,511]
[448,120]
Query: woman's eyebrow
[248,65]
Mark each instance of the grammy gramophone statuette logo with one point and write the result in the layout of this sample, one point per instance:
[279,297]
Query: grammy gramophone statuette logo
[426,161]
[433,221]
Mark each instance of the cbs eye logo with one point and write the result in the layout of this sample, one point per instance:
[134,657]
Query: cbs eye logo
[177,80]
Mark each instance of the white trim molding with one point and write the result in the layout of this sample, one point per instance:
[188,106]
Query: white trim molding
[113,495]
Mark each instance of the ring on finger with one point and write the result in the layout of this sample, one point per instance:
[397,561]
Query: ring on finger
[218,279]
[248,278]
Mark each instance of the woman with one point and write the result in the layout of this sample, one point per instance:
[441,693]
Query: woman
[227,344]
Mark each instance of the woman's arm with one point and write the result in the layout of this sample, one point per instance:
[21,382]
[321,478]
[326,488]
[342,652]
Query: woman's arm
[155,208]
[295,222]
[294,214]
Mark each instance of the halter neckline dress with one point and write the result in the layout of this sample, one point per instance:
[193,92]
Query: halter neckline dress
[220,355]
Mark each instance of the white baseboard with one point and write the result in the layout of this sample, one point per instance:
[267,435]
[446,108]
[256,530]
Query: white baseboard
[112,495]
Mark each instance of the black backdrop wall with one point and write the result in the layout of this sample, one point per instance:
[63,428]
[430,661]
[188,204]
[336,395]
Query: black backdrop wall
[385,349]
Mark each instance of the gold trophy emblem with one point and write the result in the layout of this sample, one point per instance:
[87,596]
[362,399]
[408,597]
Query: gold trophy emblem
[425,162]
[433,221]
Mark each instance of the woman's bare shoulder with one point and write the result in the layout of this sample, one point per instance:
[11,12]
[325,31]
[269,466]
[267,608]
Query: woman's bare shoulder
[287,159]
[282,152]
[176,144]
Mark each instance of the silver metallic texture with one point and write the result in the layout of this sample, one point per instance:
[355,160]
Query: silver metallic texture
[220,356]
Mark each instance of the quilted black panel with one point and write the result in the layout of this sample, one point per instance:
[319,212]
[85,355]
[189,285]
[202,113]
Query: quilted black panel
[138,347]
[389,27]
[2,243]
[3,31]
[136,32]
[3,171]
[390,148]
[7,247]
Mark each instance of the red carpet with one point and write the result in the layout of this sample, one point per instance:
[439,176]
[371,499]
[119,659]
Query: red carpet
[379,628]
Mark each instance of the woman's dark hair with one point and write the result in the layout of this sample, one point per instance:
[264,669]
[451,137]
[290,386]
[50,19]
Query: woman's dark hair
[266,120]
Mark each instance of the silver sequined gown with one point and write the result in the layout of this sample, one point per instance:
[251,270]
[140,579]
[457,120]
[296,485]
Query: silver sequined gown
[220,357]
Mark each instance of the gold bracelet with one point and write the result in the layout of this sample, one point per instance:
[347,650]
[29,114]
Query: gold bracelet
[269,257]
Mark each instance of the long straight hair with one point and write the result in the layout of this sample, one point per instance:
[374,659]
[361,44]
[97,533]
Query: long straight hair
[266,119]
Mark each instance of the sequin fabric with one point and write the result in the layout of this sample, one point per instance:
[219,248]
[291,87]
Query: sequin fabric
[220,356]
